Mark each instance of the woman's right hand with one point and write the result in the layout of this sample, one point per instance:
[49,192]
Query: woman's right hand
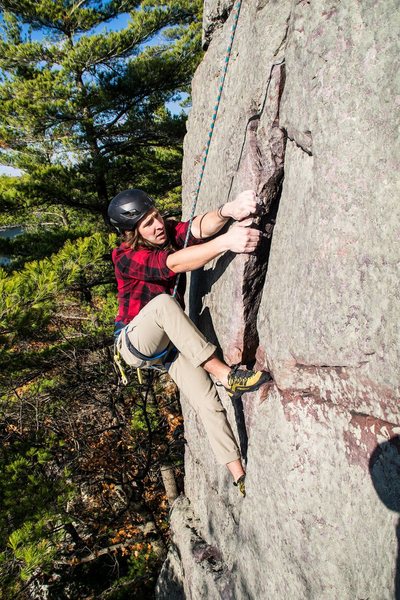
[242,239]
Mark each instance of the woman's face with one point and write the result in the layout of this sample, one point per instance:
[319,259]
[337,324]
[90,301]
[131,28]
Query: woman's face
[152,229]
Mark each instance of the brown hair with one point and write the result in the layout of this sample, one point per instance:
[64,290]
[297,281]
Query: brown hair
[133,239]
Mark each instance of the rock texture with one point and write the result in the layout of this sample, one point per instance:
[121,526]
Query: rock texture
[309,118]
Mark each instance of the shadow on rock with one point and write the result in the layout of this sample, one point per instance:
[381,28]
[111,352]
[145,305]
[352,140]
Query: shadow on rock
[384,466]
[241,426]
[201,282]
[205,323]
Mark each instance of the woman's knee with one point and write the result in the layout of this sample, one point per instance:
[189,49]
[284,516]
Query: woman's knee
[164,300]
[166,304]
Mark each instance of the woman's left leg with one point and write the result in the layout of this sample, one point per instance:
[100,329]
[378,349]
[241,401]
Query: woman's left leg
[162,320]
[197,386]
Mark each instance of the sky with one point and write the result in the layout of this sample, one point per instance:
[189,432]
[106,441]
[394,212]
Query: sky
[114,25]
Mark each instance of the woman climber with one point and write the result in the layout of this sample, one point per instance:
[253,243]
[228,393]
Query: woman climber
[150,322]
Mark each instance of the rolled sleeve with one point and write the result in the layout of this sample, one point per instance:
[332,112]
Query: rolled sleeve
[180,232]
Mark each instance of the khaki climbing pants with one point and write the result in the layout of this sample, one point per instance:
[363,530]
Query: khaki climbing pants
[162,320]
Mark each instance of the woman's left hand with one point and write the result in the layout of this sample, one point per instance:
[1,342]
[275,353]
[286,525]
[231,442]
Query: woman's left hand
[244,205]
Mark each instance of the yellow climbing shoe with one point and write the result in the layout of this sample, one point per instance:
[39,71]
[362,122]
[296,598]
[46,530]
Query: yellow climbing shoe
[241,485]
[241,381]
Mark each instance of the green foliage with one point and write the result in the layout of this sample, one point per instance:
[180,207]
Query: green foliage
[30,296]
[138,583]
[32,548]
[140,563]
[32,501]
[27,491]
[140,413]
[82,111]
[35,245]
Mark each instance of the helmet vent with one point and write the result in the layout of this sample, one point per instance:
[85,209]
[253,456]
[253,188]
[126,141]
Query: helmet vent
[131,213]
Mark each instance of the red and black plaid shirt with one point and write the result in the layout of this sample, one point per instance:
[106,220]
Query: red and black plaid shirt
[143,274]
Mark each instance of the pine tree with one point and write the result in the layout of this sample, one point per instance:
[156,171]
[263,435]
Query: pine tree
[82,107]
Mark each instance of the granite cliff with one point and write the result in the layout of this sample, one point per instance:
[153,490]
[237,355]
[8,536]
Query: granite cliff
[309,118]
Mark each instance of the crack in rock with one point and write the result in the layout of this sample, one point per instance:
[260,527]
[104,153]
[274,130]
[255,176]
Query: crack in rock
[262,155]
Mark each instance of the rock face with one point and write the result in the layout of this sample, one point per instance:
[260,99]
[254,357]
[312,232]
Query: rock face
[309,118]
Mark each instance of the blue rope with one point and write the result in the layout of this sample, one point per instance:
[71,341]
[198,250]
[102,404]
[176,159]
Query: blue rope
[236,11]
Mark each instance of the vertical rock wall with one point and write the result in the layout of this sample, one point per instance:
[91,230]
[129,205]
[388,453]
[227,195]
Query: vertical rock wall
[309,118]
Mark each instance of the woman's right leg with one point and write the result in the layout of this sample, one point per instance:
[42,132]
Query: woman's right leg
[197,386]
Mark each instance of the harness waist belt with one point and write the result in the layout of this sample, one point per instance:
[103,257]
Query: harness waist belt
[141,356]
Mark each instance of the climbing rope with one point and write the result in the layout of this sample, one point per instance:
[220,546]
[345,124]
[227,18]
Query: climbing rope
[236,11]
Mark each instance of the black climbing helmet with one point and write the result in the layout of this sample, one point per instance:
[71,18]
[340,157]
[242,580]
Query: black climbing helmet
[128,207]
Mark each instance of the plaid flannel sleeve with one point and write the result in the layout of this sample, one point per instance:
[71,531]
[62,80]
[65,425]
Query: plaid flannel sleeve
[180,231]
